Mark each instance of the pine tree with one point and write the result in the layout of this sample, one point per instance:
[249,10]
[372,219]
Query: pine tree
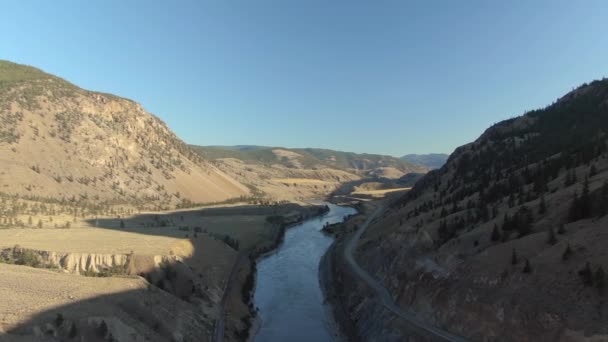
[514,257]
[39,223]
[562,229]
[551,239]
[511,200]
[592,170]
[102,330]
[58,320]
[73,331]
[575,212]
[542,208]
[600,279]
[585,201]
[495,233]
[122,224]
[506,222]
[587,275]
[29,221]
[523,219]
[567,253]
[527,267]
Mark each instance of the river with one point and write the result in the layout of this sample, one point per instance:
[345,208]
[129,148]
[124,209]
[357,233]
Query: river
[287,293]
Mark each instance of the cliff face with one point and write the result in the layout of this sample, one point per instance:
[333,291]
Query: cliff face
[506,241]
[60,142]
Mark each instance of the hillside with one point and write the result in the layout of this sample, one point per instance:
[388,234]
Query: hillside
[287,174]
[431,160]
[314,158]
[507,240]
[60,143]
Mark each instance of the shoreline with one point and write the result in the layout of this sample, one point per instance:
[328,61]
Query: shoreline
[327,273]
[342,324]
[253,320]
[331,273]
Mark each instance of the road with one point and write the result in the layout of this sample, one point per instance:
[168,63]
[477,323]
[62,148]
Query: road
[383,294]
[218,332]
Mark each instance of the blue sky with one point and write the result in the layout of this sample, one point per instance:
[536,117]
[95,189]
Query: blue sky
[391,77]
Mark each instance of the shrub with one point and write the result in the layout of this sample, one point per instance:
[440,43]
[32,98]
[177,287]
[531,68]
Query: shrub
[514,257]
[26,257]
[567,253]
[586,275]
[102,330]
[600,279]
[495,234]
[551,239]
[73,331]
[58,320]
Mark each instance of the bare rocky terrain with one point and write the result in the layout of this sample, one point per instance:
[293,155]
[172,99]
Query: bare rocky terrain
[506,242]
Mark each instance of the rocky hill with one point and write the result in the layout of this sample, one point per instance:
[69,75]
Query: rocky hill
[506,242]
[60,143]
[431,160]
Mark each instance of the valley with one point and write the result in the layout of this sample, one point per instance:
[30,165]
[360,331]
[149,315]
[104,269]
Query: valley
[224,204]
[123,232]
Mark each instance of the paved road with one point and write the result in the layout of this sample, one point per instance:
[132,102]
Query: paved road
[383,294]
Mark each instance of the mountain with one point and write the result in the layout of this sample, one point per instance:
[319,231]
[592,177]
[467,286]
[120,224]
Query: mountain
[361,164]
[280,173]
[62,143]
[432,160]
[506,241]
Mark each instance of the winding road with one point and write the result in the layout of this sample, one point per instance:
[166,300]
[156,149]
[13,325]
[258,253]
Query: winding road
[385,297]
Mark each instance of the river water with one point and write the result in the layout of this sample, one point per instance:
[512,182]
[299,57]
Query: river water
[287,291]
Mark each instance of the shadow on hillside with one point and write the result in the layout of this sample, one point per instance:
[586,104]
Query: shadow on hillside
[153,310]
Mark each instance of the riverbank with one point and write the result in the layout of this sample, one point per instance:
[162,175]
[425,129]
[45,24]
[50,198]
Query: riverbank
[331,278]
[359,315]
[288,293]
[344,325]
[241,322]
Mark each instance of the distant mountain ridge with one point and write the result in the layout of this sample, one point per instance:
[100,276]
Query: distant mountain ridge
[361,163]
[296,173]
[431,160]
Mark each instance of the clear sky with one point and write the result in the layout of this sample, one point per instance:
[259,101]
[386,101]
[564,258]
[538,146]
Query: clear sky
[390,77]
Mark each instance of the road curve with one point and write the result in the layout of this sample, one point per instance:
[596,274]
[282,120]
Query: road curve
[383,294]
